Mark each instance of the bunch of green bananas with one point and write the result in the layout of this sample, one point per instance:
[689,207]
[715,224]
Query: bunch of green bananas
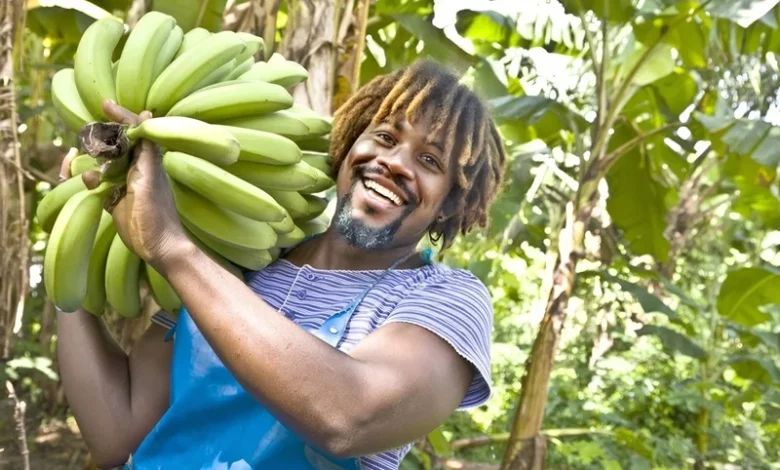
[242,158]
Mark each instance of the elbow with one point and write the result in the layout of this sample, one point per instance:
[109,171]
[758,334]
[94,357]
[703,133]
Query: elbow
[108,457]
[341,435]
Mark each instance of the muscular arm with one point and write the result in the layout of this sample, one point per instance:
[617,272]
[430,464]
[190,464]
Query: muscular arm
[396,385]
[115,398]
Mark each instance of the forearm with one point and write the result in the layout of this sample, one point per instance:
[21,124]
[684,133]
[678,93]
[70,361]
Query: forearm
[95,375]
[311,387]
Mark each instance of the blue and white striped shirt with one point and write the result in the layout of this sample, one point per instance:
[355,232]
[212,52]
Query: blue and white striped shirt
[451,303]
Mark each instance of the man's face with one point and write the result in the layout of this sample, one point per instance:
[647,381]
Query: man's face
[391,185]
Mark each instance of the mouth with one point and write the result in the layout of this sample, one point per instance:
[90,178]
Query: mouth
[378,191]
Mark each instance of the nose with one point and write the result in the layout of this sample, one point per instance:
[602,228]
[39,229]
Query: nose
[398,161]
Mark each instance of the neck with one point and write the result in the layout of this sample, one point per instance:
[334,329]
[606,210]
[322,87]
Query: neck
[330,251]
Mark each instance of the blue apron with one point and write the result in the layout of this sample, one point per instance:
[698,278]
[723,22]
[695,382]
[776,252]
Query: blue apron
[245,435]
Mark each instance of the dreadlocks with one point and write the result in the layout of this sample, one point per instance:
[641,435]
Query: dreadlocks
[427,89]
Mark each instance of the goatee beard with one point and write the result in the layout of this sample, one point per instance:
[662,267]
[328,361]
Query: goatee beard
[360,235]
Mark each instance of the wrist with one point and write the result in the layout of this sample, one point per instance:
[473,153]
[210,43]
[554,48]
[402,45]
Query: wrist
[176,255]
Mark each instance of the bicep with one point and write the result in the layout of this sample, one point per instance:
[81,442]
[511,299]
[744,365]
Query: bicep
[415,381]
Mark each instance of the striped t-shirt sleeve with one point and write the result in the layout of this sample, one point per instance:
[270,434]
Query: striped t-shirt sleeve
[456,307]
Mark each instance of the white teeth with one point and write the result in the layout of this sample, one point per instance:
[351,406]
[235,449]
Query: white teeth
[383,191]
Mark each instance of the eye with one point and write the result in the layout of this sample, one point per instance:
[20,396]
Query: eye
[387,138]
[430,160]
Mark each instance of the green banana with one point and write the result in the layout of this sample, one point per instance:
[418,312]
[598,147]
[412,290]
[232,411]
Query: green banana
[274,252]
[82,163]
[320,161]
[190,136]
[317,206]
[318,125]
[276,58]
[216,76]
[180,77]
[135,72]
[222,188]
[297,177]
[286,240]
[285,74]
[93,74]
[123,268]
[163,293]
[168,51]
[275,123]
[246,258]
[193,37]
[233,99]
[253,45]
[293,202]
[313,144]
[314,226]
[323,183]
[66,100]
[95,298]
[286,225]
[264,147]
[52,203]
[219,259]
[66,262]
[240,69]
[220,223]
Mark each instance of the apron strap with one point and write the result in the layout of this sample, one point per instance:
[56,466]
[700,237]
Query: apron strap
[332,330]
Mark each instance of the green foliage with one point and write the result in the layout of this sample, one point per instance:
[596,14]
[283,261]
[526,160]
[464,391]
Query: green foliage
[193,14]
[745,291]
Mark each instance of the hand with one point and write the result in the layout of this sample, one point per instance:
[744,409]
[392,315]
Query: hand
[146,217]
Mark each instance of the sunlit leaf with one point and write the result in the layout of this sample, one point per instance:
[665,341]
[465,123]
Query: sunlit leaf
[612,10]
[656,65]
[636,203]
[439,442]
[745,291]
[487,26]
[437,45]
[193,14]
[759,369]
[674,341]
[649,302]
[632,441]
[677,90]
[742,12]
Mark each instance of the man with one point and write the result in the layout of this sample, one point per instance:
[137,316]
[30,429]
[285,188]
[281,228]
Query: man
[338,355]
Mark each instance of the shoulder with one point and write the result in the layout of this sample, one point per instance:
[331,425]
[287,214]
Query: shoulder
[454,288]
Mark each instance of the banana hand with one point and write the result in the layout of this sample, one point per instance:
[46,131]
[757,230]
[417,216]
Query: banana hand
[146,217]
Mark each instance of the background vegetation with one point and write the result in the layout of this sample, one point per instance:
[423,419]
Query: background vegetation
[632,257]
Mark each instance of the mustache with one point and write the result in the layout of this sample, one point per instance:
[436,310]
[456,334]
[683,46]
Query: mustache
[360,171]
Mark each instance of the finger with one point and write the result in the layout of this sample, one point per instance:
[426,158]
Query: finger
[65,165]
[91,179]
[144,116]
[119,114]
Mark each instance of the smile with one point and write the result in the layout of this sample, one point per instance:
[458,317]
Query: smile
[382,191]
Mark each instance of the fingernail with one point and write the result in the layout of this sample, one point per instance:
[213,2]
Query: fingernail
[62,178]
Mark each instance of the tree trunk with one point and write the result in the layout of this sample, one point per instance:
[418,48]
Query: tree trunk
[14,249]
[310,39]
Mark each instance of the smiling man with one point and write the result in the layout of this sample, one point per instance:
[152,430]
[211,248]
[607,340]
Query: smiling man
[340,354]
